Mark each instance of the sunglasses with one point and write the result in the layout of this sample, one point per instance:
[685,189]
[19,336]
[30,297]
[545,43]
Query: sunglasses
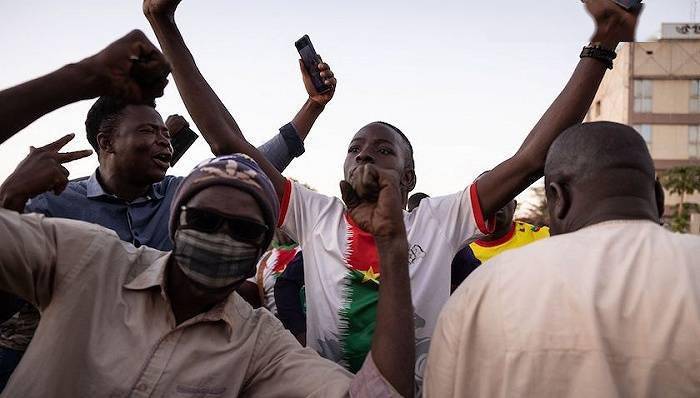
[239,228]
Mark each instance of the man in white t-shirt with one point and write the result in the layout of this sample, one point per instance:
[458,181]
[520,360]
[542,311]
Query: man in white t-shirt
[340,260]
[607,307]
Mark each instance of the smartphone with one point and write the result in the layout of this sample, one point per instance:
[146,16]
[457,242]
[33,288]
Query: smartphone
[628,4]
[311,60]
[181,142]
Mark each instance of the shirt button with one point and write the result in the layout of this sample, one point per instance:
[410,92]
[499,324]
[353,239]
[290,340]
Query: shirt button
[142,387]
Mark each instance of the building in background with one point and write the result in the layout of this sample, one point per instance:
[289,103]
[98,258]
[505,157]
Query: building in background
[655,87]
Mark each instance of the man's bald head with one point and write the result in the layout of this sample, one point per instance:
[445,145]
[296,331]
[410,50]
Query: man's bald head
[599,171]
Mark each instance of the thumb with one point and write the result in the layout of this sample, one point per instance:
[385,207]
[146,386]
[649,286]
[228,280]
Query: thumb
[349,195]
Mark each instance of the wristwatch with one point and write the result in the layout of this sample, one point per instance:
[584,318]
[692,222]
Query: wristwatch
[597,51]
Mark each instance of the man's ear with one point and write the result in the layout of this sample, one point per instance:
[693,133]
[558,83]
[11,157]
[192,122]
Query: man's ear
[104,143]
[409,179]
[660,198]
[559,200]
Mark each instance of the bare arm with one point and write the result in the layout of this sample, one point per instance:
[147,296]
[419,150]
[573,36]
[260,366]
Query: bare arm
[130,68]
[505,181]
[373,199]
[207,111]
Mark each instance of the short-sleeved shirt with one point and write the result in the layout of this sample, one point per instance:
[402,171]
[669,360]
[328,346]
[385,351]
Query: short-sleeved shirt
[342,274]
[612,310]
[108,329]
[476,253]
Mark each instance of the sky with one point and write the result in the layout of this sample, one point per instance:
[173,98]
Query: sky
[464,80]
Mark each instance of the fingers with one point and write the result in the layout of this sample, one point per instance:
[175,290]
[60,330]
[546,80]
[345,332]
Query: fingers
[58,144]
[149,68]
[71,156]
[349,195]
[365,182]
[327,74]
[60,180]
[176,123]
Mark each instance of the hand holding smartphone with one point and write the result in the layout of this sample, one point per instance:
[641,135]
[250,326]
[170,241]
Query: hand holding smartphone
[311,60]
[182,136]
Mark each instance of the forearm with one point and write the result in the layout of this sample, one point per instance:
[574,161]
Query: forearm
[568,109]
[393,343]
[281,149]
[23,104]
[514,175]
[306,117]
[11,200]
[202,103]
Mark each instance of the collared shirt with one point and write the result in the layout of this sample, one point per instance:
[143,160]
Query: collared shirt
[612,310]
[143,221]
[107,328]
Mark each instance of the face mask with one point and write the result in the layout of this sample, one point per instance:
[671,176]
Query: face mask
[213,260]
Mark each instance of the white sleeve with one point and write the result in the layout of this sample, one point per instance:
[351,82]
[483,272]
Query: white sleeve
[458,215]
[302,208]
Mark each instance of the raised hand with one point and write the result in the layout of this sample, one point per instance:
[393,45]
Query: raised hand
[175,124]
[160,7]
[41,171]
[131,68]
[613,23]
[373,199]
[328,78]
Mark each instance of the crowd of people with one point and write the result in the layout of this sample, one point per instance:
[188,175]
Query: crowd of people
[235,280]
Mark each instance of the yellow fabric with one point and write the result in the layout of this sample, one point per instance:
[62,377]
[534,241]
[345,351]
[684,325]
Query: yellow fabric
[524,234]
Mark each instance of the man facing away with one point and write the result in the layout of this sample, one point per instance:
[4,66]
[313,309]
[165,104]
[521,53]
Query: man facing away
[608,306]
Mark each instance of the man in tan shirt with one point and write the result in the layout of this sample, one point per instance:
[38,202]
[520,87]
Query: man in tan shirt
[124,321]
[608,307]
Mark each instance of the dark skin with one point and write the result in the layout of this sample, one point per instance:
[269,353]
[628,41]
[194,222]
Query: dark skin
[189,298]
[497,187]
[112,72]
[200,99]
[136,153]
[373,196]
[41,171]
[613,178]
[504,222]
[576,205]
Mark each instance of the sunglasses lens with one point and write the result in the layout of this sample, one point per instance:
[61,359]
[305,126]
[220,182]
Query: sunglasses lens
[202,220]
[247,231]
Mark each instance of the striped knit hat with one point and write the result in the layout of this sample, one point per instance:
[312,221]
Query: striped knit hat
[238,171]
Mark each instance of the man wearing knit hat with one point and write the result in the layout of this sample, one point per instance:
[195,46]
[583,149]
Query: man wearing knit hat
[142,322]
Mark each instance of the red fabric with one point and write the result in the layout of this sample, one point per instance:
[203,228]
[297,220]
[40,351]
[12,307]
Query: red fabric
[285,202]
[362,252]
[485,226]
[500,241]
[284,256]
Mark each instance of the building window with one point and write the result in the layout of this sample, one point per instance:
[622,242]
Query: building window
[642,96]
[694,96]
[694,142]
[645,131]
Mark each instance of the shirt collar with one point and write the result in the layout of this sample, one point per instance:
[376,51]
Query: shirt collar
[95,190]
[154,276]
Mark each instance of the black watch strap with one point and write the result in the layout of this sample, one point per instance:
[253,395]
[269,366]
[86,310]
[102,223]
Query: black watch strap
[601,54]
